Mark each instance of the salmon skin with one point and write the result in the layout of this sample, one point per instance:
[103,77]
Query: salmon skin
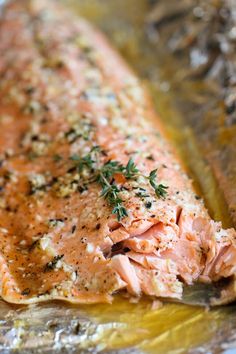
[92,197]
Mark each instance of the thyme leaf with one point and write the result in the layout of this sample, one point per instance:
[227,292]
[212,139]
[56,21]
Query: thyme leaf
[160,189]
[120,211]
[82,162]
[131,169]
[104,175]
[110,192]
[110,168]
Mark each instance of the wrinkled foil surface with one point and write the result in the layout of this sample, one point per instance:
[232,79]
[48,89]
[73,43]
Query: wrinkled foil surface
[118,328]
[125,326]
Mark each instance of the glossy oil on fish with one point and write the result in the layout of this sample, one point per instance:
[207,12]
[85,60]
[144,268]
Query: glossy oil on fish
[93,198]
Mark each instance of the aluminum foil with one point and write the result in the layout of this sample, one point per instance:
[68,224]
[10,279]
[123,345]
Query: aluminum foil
[199,37]
[51,327]
[126,326]
[57,327]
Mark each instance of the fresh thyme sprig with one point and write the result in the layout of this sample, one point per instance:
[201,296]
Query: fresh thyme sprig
[110,193]
[131,169]
[110,168]
[105,176]
[160,189]
[82,162]
[86,161]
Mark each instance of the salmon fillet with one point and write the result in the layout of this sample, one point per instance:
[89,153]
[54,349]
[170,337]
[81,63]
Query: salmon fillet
[92,197]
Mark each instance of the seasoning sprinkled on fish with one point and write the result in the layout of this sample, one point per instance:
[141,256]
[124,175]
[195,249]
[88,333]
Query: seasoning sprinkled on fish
[92,197]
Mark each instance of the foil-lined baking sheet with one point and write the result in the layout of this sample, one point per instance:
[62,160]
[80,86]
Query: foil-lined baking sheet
[126,326]
[122,327]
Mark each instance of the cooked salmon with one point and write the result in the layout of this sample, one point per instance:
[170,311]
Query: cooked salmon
[92,197]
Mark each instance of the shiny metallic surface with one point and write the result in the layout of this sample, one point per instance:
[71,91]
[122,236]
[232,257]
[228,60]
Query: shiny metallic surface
[124,327]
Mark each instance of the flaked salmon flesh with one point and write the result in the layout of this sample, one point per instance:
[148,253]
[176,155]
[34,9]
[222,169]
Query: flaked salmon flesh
[67,97]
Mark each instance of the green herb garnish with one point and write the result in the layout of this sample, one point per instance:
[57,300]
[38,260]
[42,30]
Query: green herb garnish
[104,176]
[160,189]
[110,192]
[131,169]
[82,162]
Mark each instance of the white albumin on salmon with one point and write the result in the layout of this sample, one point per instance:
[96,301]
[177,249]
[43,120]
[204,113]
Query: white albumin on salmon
[84,206]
